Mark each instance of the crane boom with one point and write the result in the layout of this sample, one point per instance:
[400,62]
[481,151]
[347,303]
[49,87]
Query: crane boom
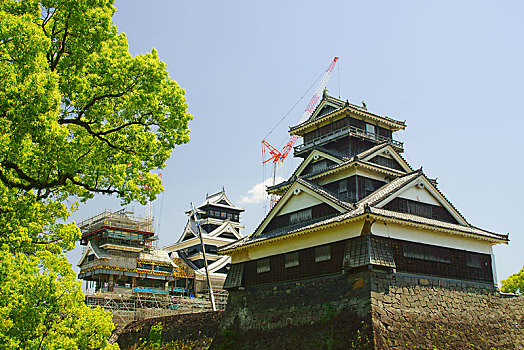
[278,156]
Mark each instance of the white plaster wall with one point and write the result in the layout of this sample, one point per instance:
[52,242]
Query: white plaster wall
[418,194]
[307,240]
[300,201]
[409,233]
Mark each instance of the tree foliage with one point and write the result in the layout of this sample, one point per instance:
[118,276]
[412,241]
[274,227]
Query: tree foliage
[79,116]
[514,283]
[41,305]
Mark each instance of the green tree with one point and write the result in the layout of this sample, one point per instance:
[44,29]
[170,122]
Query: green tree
[41,305]
[79,116]
[514,283]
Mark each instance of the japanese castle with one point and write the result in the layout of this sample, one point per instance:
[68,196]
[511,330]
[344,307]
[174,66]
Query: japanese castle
[355,203]
[220,225]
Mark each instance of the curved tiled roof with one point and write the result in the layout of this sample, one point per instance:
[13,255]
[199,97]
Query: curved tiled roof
[389,188]
[467,229]
[343,105]
[367,206]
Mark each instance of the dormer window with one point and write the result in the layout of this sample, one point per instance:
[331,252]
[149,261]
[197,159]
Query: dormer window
[300,216]
[319,166]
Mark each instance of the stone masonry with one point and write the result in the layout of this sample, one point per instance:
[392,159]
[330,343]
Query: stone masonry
[428,313]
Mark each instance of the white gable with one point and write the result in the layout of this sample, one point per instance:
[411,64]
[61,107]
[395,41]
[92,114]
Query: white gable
[296,197]
[87,251]
[218,199]
[390,153]
[188,232]
[313,157]
[422,190]
[415,193]
[225,227]
[323,108]
[300,201]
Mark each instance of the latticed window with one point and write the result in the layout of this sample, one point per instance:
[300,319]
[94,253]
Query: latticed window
[300,216]
[343,187]
[291,260]
[473,261]
[322,253]
[320,165]
[424,252]
[263,265]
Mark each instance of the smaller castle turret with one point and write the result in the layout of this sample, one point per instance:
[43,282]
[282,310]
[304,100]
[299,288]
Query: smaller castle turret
[220,224]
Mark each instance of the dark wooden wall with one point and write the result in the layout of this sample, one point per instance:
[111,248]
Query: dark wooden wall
[409,257]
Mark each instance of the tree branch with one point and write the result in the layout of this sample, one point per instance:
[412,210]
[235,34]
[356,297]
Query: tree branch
[98,98]
[90,131]
[48,186]
[55,59]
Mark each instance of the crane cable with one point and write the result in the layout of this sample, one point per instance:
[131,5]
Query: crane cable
[292,108]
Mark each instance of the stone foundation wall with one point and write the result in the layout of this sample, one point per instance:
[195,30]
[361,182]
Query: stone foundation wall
[308,314]
[371,310]
[428,313]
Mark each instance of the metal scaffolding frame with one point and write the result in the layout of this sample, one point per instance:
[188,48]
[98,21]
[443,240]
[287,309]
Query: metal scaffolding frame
[140,306]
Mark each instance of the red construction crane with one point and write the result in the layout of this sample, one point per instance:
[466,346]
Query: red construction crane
[278,156]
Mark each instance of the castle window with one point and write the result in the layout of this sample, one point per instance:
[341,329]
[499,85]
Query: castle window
[424,252]
[322,253]
[343,187]
[146,267]
[164,268]
[263,265]
[91,257]
[370,130]
[300,216]
[291,260]
[473,261]
[319,166]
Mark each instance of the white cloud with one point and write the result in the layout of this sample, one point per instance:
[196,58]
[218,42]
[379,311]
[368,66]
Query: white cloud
[257,193]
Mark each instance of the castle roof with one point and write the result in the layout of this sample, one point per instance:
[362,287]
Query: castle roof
[341,106]
[371,205]
[218,199]
[362,158]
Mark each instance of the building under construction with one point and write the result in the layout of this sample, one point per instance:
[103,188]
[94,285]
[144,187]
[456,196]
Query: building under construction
[126,274]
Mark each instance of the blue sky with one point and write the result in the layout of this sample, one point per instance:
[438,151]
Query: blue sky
[452,70]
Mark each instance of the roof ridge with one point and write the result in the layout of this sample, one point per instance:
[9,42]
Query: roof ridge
[323,192]
[446,198]
[371,150]
[344,105]
[389,188]
[434,222]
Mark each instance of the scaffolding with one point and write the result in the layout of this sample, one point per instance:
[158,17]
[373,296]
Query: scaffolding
[140,306]
[121,258]
[120,219]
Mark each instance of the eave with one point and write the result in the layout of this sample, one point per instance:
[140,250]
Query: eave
[337,168]
[301,129]
[384,218]
[292,234]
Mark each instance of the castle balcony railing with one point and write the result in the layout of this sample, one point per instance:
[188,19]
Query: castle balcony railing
[347,131]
